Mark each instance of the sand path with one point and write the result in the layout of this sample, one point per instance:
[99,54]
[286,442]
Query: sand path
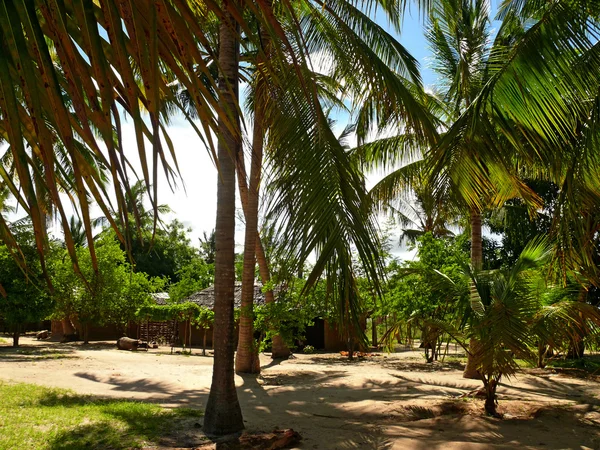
[391,402]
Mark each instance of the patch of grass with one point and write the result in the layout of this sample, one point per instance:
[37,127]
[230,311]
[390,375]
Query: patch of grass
[34,354]
[523,364]
[38,417]
[3,341]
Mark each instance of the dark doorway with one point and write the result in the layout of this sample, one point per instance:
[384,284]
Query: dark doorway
[315,334]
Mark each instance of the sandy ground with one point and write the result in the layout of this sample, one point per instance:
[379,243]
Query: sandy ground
[384,402]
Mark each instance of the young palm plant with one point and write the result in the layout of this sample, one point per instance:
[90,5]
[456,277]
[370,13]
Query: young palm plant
[506,314]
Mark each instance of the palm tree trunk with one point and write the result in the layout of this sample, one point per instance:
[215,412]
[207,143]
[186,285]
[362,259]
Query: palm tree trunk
[374,340]
[476,240]
[223,413]
[279,349]
[490,397]
[247,359]
[16,334]
[477,263]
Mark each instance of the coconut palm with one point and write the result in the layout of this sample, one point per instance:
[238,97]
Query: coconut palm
[540,95]
[508,317]
[465,57]
[110,58]
[374,49]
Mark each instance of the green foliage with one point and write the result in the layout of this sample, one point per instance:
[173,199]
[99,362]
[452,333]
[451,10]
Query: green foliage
[208,247]
[293,311]
[515,225]
[112,294]
[200,316]
[165,255]
[27,298]
[410,293]
[193,277]
[590,364]
[507,316]
[308,349]
[204,319]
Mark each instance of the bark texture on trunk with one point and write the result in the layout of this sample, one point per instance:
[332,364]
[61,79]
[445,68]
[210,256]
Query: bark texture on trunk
[279,349]
[477,263]
[490,397]
[476,240]
[247,358]
[223,414]
[471,369]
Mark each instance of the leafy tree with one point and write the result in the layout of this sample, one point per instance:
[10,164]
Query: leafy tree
[294,310]
[24,297]
[515,224]
[193,277]
[204,320]
[207,247]
[165,253]
[111,294]
[410,293]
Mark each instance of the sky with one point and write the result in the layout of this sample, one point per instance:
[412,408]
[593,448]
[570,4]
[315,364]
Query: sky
[193,202]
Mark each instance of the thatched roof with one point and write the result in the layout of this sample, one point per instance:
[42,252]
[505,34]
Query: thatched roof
[206,297]
[161,298]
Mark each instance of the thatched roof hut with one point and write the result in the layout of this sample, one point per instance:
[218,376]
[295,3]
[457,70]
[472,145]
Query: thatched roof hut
[206,297]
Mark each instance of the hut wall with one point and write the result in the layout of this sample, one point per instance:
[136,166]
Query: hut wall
[164,332]
[56,329]
[197,336]
[103,332]
[333,341]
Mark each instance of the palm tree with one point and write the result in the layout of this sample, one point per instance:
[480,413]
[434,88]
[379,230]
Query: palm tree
[407,195]
[459,35]
[223,412]
[77,100]
[207,247]
[540,96]
[508,317]
[374,49]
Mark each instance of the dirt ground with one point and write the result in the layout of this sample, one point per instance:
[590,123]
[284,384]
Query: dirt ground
[384,402]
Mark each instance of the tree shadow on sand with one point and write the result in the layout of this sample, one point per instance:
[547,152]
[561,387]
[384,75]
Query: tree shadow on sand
[27,353]
[331,412]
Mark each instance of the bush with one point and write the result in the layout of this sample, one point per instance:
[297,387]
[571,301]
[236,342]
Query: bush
[308,349]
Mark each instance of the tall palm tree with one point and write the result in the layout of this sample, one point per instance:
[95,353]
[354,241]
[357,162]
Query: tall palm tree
[223,412]
[540,95]
[466,58]
[374,48]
